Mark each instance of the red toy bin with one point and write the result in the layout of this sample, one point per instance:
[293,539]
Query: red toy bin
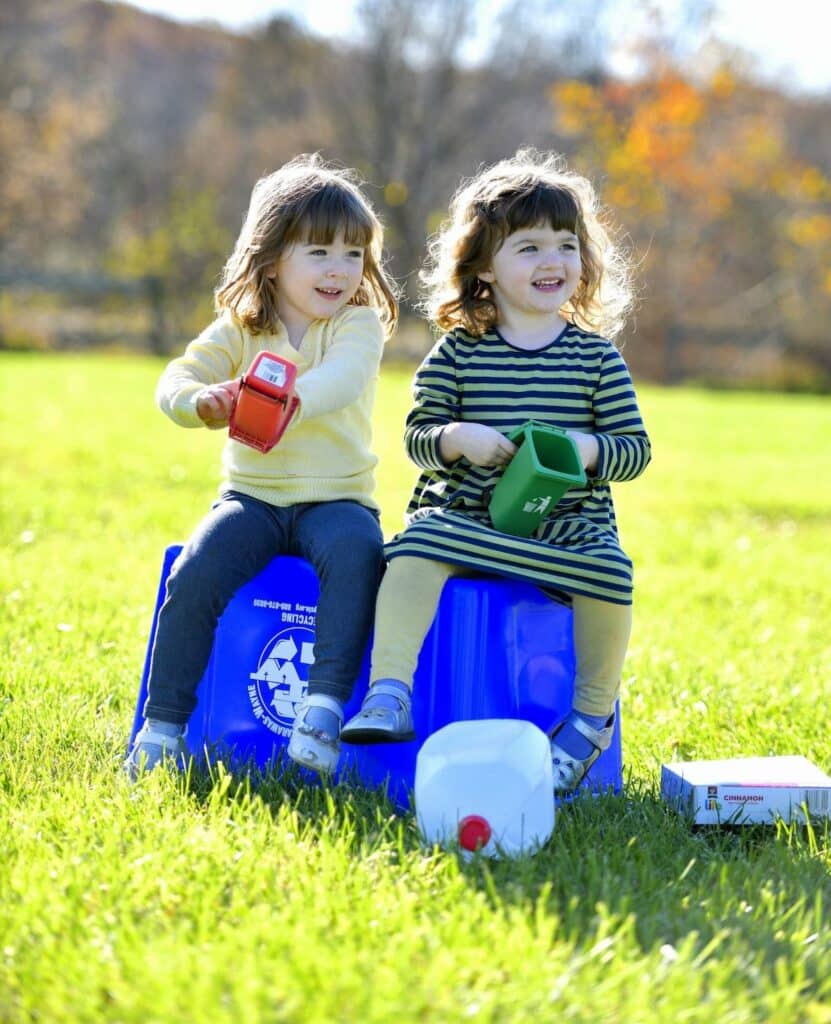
[266,402]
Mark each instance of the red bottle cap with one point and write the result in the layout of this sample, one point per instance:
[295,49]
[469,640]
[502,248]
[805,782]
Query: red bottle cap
[474,832]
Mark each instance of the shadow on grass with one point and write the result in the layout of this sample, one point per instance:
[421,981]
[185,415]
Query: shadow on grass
[365,816]
[630,856]
[624,857]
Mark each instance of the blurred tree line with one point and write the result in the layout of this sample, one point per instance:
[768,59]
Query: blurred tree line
[129,145]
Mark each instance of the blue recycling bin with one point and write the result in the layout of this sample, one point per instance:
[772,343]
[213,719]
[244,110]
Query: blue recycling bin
[498,648]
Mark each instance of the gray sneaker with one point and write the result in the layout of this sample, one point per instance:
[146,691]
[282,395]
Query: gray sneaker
[382,720]
[569,771]
[312,747]
[155,742]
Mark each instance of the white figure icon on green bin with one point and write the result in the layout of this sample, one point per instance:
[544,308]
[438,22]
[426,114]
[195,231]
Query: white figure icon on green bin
[537,506]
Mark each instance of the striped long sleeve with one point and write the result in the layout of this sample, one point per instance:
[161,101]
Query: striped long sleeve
[624,445]
[436,404]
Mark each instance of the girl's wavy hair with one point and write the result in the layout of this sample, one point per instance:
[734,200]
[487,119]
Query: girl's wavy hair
[306,200]
[524,191]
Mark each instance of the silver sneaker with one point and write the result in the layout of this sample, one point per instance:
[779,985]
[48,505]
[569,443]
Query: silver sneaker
[379,724]
[152,747]
[570,771]
[314,748]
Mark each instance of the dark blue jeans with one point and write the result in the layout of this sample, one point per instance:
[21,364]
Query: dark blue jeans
[238,538]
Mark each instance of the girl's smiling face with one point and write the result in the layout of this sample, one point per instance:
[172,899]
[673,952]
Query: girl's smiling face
[534,273]
[315,280]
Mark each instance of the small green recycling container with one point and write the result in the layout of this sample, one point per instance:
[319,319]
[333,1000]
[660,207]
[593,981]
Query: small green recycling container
[544,467]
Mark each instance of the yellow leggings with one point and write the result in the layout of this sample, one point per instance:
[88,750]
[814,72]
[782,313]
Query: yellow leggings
[407,602]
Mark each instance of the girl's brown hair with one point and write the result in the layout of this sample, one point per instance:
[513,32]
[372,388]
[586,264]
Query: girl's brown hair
[524,191]
[306,200]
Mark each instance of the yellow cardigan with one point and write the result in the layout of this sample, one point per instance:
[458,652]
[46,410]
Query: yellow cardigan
[325,453]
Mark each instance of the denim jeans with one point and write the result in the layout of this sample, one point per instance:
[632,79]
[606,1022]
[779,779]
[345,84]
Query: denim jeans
[236,540]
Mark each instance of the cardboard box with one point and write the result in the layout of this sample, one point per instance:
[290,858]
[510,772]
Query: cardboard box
[747,790]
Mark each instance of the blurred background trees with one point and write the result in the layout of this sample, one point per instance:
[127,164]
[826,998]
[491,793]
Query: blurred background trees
[129,145]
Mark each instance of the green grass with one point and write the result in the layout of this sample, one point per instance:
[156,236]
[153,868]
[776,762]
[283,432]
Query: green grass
[215,900]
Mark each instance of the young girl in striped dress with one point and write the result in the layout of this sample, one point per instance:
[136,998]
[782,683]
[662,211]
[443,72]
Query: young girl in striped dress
[529,287]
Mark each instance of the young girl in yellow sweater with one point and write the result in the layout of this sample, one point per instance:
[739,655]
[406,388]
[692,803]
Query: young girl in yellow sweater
[305,281]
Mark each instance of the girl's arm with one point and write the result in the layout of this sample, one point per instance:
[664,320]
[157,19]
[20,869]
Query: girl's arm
[435,408]
[435,405]
[434,436]
[623,448]
[210,362]
[350,363]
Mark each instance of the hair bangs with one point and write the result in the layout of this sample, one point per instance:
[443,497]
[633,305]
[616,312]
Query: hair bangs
[329,211]
[541,204]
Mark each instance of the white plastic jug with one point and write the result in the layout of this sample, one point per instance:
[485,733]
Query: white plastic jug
[487,785]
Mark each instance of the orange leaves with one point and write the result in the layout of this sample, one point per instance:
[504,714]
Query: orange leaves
[580,108]
[811,185]
[661,131]
[675,104]
[760,142]
[666,139]
[811,231]
[636,128]
[723,84]
[716,187]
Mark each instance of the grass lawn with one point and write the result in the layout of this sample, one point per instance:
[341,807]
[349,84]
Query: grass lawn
[212,900]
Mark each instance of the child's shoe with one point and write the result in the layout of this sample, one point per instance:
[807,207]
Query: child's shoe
[570,765]
[155,742]
[314,741]
[386,715]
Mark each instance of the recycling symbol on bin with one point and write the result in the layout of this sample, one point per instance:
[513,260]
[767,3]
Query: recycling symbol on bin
[283,672]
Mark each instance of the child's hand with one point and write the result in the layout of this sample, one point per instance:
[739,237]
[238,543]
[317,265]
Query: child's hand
[216,402]
[480,445]
[587,448]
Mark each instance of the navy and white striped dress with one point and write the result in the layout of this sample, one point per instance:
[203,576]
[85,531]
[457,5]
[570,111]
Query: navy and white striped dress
[578,382]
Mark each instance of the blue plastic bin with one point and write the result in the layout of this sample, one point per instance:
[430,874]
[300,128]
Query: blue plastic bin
[497,648]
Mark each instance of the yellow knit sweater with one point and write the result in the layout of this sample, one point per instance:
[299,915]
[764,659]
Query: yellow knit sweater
[325,453]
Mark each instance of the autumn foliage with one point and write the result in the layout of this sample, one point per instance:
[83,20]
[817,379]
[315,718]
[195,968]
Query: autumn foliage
[129,145]
[729,213]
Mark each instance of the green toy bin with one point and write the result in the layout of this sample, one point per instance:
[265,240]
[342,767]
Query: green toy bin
[544,467]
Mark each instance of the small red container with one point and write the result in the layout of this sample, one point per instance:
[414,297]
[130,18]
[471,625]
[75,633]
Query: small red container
[266,402]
